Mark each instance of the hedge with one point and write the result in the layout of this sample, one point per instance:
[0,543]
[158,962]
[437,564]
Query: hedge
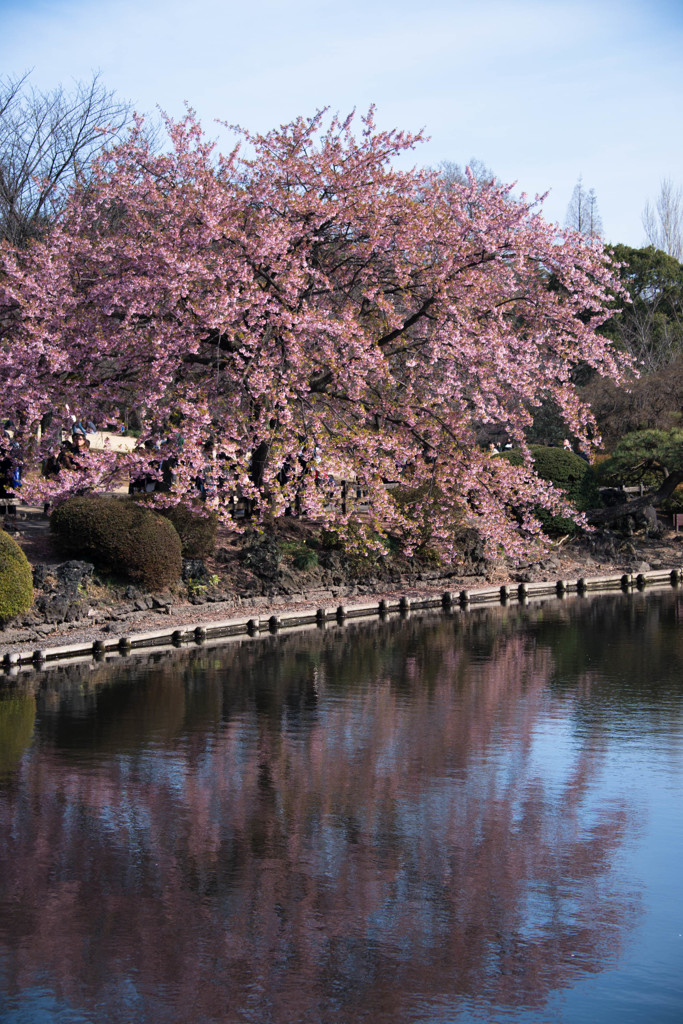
[567,471]
[120,536]
[196,526]
[16,579]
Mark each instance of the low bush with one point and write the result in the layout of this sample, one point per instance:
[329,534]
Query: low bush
[302,553]
[304,558]
[16,580]
[120,536]
[196,526]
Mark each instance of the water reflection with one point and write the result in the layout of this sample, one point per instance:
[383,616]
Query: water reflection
[342,826]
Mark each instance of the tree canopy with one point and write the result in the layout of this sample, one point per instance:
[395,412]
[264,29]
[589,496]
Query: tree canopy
[650,457]
[650,327]
[300,303]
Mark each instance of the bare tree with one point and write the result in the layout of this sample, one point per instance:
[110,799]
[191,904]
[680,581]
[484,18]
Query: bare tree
[47,140]
[582,212]
[453,173]
[663,222]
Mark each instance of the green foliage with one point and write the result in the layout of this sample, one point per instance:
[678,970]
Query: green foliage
[302,555]
[196,526]
[330,540]
[305,559]
[196,586]
[567,471]
[120,536]
[17,718]
[651,325]
[16,579]
[644,456]
[674,503]
[514,456]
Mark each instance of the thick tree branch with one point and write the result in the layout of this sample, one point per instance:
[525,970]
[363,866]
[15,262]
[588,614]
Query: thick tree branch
[602,516]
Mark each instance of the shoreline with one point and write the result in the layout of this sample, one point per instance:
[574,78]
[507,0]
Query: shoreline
[184,628]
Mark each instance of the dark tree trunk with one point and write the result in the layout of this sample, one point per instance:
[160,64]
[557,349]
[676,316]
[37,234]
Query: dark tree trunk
[602,516]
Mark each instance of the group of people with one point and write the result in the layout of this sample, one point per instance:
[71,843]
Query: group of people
[70,456]
[11,468]
[217,480]
[161,474]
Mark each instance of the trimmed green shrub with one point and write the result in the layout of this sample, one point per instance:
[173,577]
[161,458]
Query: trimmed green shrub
[16,579]
[570,472]
[196,526]
[567,471]
[120,536]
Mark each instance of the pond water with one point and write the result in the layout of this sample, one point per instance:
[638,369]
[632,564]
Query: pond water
[452,818]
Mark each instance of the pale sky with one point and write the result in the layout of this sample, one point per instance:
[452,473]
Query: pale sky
[540,90]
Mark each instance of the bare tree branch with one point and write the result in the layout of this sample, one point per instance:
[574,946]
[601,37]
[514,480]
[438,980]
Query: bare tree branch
[663,222]
[47,141]
[582,212]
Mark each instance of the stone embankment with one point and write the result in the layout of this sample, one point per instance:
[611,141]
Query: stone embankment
[252,591]
[182,627]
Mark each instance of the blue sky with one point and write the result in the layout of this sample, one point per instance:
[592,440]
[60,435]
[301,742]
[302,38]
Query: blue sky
[541,91]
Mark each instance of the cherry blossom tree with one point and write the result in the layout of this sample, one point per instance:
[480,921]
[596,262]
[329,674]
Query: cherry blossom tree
[301,305]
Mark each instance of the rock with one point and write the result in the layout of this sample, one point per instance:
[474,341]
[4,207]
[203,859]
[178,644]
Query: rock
[262,557]
[60,608]
[643,567]
[194,569]
[74,571]
[11,636]
[42,574]
[471,559]
[62,586]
